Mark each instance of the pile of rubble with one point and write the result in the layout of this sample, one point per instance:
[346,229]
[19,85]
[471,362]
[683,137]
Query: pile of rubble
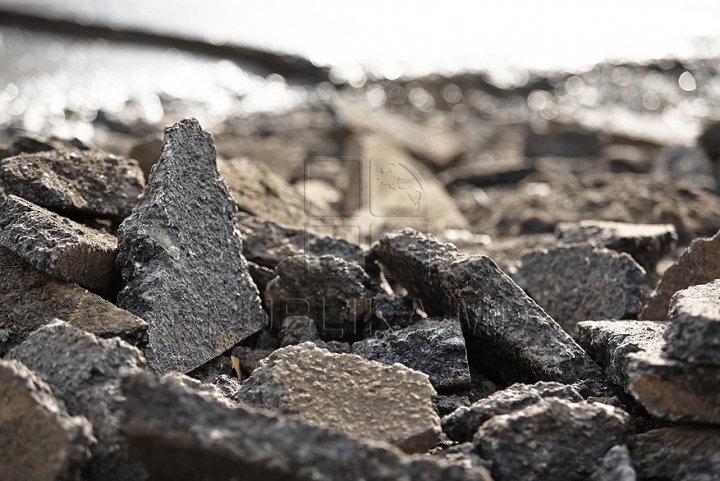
[206,320]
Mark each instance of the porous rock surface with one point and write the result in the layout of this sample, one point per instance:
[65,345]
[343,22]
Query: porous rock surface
[39,441]
[181,433]
[84,372]
[694,331]
[348,394]
[29,299]
[503,327]
[89,182]
[179,244]
[434,346]
[581,282]
[552,439]
[462,424]
[58,246]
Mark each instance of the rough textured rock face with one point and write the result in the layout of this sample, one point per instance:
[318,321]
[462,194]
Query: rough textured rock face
[616,465]
[180,433]
[580,282]
[296,330]
[335,293]
[552,439]
[345,393]
[433,346]
[610,343]
[682,453]
[694,331]
[698,264]
[646,243]
[58,246]
[38,439]
[86,182]
[29,299]
[675,390]
[513,335]
[84,372]
[463,423]
[179,244]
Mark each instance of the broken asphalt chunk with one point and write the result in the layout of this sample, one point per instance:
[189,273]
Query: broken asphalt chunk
[181,258]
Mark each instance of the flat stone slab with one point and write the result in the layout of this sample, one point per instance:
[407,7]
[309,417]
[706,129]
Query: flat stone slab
[181,258]
[58,246]
[682,453]
[611,342]
[646,243]
[462,424]
[88,182]
[84,372]
[675,390]
[698,264]
[434,346]
[694,331]
[29,299]
[581,282]
[39,440]
[552,439]
[348,394]
[180,432]
[504,328]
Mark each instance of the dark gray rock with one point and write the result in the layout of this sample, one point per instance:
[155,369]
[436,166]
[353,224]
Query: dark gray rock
[682,453]
[465,455]
[611,342]
[433,346]
[268,243]
[58,246]
[29,299]
[504,329]
[94,183]
[616,465]
[446,404]
[182,434]
[39,440]
[646,243]
[462,424]
[390,312]
[577,142]
[698,264]
[335,293]
[694,331]
[348,394]
[552,439]
[181,258]
[261,276]
[675,390]
[581,282]
[245,359]
[296,330]
[213,369]
[84,372]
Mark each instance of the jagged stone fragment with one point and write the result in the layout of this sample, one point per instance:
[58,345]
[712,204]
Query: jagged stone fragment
[88,182]
[646,243]
[181,433]
[433,346]
[181,258]
[58,246]
[29,299]
[682,453]
[611,342]
[84,372]
[552,439]
[675,390]
[694,331]
[39,441]
[348,394]
[462,424]
[698,264]
[296,330]
[335,293]
[616,465]
[505,329]
[581,282]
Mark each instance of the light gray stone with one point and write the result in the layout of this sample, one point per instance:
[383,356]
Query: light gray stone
[181,258]
[616,465]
